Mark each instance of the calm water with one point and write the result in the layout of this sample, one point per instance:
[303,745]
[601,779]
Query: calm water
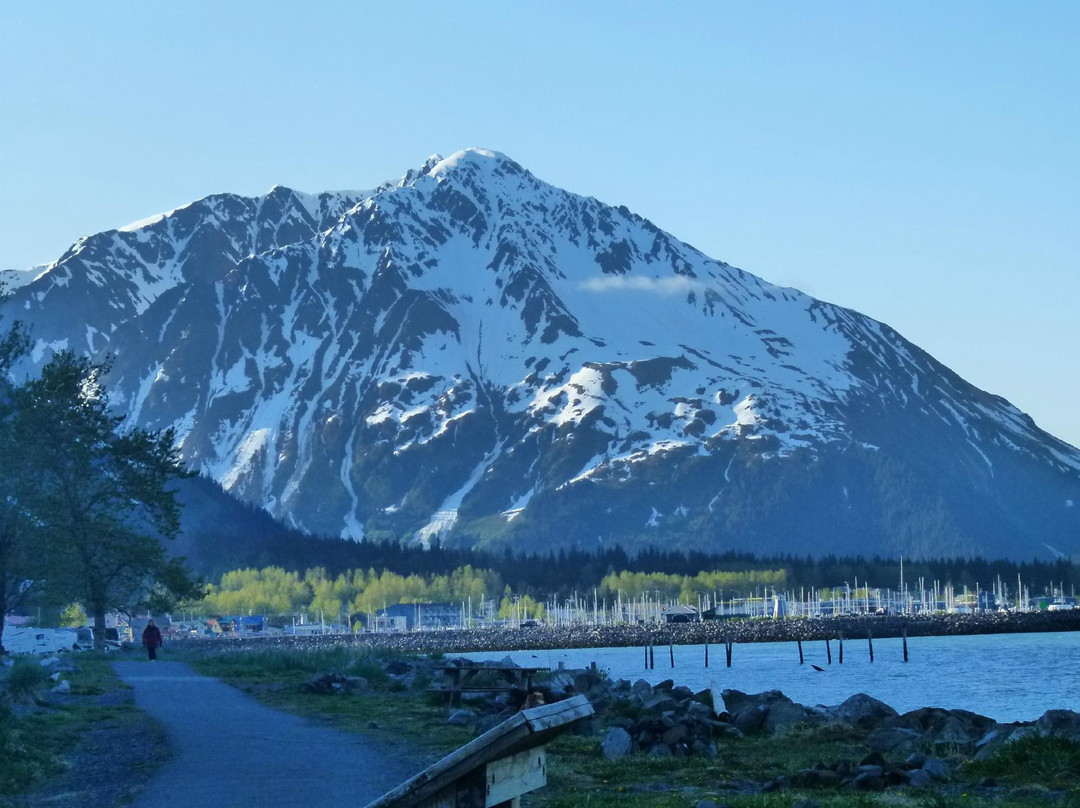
[1009,677]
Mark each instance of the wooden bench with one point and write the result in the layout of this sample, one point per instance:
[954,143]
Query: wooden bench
[494,770]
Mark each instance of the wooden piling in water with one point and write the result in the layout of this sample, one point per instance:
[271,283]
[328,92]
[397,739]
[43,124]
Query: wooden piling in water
[870,642]
[840,640]
[800,651]
[903,633]
[828,651]
[671,652]
[652,656]
[646,654]
[706,655]
[729,643]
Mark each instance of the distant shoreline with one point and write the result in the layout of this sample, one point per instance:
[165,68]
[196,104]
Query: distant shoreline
[543,638]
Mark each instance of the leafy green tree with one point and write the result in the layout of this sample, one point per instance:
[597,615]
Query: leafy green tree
[97,493]
[16,562]
[73,615]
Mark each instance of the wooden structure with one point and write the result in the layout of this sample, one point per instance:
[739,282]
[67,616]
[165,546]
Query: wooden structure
[461,678]
[494,770]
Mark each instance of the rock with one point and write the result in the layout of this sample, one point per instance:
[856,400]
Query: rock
[660,750]
[55,676]
[873,759]
[398,666]
[1059,723]
[356,683]
[955,731]
[617,743]
[919,778]
[641,688]
[891,739]
[770,711]
[869,781]
[682,693]
[864,711]
[461,718]
[936,768]
[699,710]
[674,735]
[915,760]
[750,721]
[784,714]
[589,682]
[660,703]
[62,689]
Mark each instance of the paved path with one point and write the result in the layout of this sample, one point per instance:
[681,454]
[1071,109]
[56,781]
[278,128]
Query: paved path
[229,750]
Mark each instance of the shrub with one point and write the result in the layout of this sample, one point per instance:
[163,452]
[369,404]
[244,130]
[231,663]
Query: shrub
[25,680]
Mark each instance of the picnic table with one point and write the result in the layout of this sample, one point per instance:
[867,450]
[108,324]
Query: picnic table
[462,678]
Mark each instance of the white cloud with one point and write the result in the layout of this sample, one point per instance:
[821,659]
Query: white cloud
[674,285]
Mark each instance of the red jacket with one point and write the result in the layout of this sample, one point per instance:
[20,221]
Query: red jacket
[151,637]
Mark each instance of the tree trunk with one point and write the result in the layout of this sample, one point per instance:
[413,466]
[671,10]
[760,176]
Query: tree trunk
[98,607]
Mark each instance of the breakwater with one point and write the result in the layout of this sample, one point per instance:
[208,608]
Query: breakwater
[853,627]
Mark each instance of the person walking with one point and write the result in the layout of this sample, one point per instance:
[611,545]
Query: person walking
[151,638]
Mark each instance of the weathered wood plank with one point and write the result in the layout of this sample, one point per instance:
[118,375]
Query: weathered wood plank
[515,775]
[522,731]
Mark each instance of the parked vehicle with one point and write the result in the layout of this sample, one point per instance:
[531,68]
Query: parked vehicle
[39,640]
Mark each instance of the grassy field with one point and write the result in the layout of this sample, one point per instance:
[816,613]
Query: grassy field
[90,748]
[1034,773]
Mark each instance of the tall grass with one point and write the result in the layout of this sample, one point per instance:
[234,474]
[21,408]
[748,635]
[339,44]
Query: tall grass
[1044,760]
[280,661]
[24,681]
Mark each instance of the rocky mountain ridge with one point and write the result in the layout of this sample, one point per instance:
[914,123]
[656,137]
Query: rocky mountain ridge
[472,354]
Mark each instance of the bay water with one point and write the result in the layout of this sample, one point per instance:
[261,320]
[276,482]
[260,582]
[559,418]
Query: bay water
[1008,677]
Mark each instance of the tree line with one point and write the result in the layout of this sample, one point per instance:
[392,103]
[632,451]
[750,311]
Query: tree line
[85,502]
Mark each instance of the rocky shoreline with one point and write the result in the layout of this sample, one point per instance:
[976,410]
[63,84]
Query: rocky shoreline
[924,749]
[713,632]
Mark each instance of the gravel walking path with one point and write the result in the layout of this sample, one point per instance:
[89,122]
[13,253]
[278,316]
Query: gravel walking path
[229,750]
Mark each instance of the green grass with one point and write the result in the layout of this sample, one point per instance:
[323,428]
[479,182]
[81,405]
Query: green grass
[388,711]
[33,743]
[1045,761]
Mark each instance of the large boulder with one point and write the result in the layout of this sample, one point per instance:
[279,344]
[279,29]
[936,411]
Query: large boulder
[863,711]
[892,739]
[617,743]
[1059,723]
[770,711]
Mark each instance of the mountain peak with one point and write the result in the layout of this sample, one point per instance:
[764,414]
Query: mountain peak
[474,352]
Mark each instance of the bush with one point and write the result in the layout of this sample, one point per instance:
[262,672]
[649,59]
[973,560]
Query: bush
[24,680]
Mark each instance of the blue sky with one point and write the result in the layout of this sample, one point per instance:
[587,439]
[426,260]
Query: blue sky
[918,162]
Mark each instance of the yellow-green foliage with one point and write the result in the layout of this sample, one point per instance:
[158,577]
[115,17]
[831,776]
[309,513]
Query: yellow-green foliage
[272,590]
[688,588]
[73,615]
[524,608]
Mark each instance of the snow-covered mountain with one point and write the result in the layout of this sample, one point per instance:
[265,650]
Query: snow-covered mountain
[473,354]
